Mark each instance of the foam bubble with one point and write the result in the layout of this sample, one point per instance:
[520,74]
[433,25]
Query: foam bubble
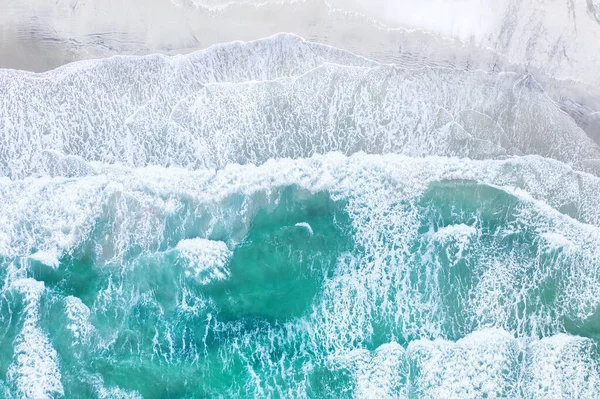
[48,258]
[207,259]
[306,226]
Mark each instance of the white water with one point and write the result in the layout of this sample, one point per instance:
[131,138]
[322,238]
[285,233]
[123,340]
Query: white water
[35,371]
[233,103]
[208,259]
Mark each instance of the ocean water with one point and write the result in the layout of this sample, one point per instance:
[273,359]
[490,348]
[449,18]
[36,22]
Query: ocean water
[285,219]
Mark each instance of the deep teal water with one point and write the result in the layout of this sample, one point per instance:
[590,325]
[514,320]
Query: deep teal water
[293,311]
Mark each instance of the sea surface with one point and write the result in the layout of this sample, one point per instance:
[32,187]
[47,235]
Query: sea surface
[283,218]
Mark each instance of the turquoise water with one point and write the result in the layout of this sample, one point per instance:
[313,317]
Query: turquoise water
[139,338]
[296,293]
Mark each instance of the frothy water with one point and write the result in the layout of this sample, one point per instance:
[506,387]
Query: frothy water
[281,218]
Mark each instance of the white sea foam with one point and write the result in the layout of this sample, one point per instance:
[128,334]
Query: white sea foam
[113,392]
[113,108]
[278,97]
[486,363]
[455,231]
[35,370]
[78,315]
[306,226]
[556,240]
[60,213]
[207,259]
[455,239]
[48,258]
[377,374]
[562,366]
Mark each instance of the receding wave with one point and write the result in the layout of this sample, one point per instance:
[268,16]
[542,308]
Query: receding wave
[200,111]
